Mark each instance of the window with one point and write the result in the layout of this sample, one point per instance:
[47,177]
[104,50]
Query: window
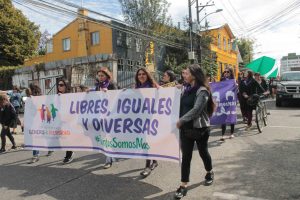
[49,46]
[219,40]
[224,44]
[67,44]
[128,41]
[119,38]
[138,43]
[47,84]
[120,65]
[95,38]
[229,45]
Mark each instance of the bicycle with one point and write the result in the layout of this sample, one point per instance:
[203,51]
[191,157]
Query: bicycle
[261,114]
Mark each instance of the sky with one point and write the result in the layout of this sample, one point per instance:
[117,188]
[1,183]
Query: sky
[275,24]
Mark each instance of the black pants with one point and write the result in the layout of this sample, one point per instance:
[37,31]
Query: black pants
[148,162]
[187,146]
[6,132]
[69,154]
[224,129]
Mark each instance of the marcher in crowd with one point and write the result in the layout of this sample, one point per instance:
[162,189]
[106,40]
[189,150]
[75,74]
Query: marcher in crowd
[15,100]
[169,78]
[7,119]
[227,75]
[250,88]
[263,83]
[63,87]
[104,82]
[196,106]
[181,81]
[242,100]
[143,79]
[35,90]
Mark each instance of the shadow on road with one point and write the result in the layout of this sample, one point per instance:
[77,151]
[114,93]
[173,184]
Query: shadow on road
[73,184]
[269,171]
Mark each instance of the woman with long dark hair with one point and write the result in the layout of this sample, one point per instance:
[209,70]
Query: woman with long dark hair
[8,116]
[196,107]
[104,82]
[64,87]
[143,79]
[227,75]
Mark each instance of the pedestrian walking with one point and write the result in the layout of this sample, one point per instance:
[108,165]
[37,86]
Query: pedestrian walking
[242,100]
[104,82]
[143,79]
[169,79]
[227,75]
[7,119]
[196,107]
[35,90]
[15,100]
[251,87]
[64,87]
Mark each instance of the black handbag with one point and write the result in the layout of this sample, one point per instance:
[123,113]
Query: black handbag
[195,133]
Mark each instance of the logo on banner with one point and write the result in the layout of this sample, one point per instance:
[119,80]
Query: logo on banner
[48,114]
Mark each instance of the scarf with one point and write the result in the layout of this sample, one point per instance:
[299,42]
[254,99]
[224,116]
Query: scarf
[189,89]
[103,84]
[147,84]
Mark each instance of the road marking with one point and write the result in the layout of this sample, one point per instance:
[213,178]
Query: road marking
[284,127]
[227,196]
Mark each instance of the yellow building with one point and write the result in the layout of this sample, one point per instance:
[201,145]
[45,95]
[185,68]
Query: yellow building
[226,50]
[79,38]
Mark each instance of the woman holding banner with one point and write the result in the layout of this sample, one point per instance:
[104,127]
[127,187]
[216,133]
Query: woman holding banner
[103,83]
[64,87]
[169,79]
[35,90]
[196,107]
[227,75]
[143,79]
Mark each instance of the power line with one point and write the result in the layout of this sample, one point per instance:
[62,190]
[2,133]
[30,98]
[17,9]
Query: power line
[51,7]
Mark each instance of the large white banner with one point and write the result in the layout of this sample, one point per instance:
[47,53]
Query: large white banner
[130,124]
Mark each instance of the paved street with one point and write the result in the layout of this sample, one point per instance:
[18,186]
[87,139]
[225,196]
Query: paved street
[250,166]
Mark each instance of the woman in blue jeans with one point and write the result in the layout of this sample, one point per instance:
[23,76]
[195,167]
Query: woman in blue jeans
[35,90]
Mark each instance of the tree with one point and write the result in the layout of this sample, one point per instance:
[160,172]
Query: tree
[18,36]
[146,15]
[42,48]
[150,17]
[246,49]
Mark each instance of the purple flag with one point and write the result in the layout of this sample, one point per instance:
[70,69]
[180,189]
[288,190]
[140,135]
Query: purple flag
[225,96]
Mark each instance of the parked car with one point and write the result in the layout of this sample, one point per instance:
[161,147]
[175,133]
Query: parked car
[288,87]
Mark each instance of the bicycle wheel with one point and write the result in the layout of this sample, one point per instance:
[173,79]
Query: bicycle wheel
[265,114]
[259,118]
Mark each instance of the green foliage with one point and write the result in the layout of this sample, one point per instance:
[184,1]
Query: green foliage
[6,73]
[246,49]
[18,36]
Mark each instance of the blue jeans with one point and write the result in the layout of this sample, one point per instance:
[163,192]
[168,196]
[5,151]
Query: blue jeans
[36,153]
[110,159]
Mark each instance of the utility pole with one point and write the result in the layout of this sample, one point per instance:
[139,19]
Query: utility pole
[199,8]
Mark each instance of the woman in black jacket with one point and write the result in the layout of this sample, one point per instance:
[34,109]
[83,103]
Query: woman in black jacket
[196,106]
[250,87]
[8,117]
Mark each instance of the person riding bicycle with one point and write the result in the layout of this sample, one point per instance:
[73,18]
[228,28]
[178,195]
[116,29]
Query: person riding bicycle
[249,89]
